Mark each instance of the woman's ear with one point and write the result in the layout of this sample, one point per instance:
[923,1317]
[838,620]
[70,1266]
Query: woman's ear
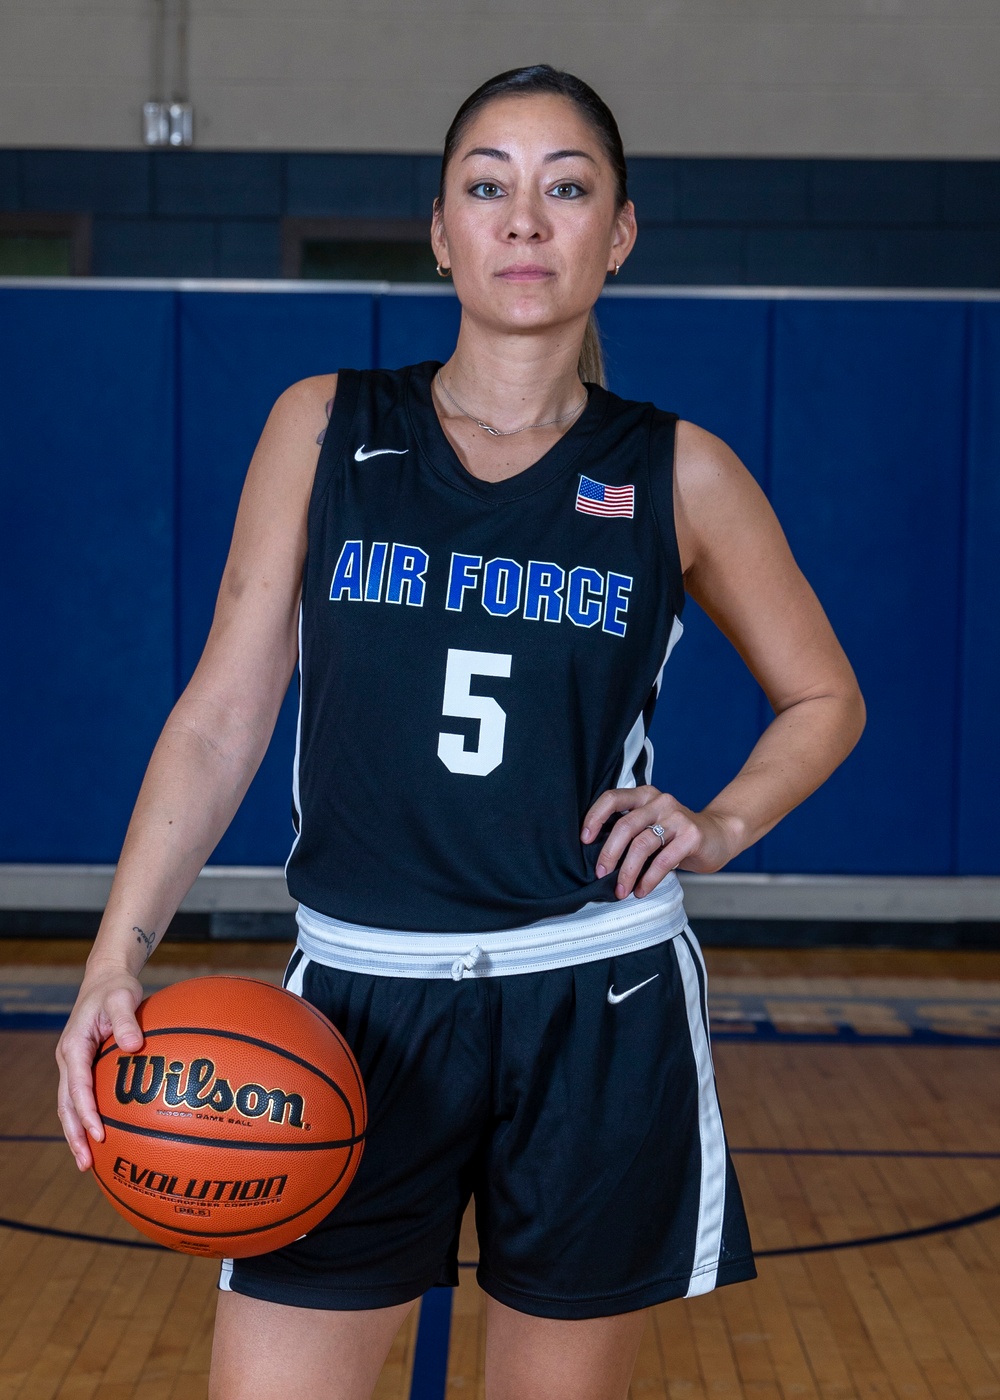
[625,232]
[439,243]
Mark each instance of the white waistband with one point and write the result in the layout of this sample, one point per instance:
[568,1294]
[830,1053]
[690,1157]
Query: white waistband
[596,931]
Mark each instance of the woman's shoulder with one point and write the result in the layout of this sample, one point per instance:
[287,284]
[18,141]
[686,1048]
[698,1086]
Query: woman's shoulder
[305,394]
[716,497]
[703,462]
[301,412]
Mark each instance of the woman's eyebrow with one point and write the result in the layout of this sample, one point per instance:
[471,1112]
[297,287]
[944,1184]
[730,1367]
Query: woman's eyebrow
[495,154]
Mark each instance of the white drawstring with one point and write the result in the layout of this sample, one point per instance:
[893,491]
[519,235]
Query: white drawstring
[466,963]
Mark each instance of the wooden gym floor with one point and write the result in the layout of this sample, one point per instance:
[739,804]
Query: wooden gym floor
[861,1092]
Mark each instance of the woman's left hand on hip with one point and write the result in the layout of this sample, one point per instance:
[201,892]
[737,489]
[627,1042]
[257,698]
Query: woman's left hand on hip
[655,834]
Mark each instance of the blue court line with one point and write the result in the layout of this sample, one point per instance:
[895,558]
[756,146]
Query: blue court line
[766,1034]
[941,1227]
[763,1033]
[430,1356]
[961,1222]
[25,1228]
[861,1152]
[31,1137]
[33,1020]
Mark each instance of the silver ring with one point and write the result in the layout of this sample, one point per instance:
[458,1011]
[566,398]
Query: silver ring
[658,831]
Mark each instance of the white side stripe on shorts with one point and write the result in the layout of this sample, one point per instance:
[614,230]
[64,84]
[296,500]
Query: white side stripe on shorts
[225,1274]
[712,1196]
[295,981]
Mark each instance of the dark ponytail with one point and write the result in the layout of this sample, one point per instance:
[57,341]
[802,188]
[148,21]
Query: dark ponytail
[523,82]
[590,365]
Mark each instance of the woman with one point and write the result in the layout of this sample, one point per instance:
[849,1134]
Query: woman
[491,557]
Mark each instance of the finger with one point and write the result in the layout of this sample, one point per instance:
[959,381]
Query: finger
[69,1118]
[611,801]
[673,853]
[626,829]
[681,835]
[76,1085]
[120,1007]
[80,1088]
[641,850]
[74,1133]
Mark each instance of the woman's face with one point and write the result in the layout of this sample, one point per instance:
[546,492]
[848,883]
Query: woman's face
[530,227]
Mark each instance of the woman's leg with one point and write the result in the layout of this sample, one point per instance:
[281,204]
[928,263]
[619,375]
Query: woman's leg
[269,1351]
[542,1358]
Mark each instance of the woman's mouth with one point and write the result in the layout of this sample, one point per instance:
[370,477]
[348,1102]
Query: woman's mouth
[525,272]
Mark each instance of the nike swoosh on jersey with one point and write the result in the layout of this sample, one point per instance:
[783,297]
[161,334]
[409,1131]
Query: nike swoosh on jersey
[362,456]
[615,997]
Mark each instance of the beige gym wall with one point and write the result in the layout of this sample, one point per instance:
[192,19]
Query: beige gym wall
[686,77]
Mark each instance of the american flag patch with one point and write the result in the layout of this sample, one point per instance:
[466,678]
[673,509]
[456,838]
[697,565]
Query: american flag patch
[594,498]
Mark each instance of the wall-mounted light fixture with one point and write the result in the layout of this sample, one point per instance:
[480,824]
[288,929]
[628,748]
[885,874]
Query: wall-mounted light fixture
[169,122]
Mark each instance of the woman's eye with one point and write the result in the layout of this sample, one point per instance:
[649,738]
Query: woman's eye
[486,189]
[568,189]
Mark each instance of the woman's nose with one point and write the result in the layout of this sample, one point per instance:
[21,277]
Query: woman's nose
[526,218]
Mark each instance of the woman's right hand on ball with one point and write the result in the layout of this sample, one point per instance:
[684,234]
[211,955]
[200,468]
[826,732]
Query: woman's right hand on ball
[105,1005]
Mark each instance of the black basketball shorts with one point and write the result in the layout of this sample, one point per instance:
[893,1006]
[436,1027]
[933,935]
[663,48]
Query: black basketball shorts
[577,1106]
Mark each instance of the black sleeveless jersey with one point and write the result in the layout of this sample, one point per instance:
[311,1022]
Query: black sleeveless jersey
[478,660]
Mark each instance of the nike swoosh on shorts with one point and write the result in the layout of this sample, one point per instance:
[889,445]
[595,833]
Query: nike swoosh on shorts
[615,997]
[362,456]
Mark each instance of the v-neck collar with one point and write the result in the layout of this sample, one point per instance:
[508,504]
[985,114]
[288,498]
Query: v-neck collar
[442,458]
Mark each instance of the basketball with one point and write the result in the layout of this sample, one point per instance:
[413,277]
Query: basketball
[237,1127]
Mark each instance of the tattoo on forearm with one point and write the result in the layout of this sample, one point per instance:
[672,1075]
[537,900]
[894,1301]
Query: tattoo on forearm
[329,410]
[146,939]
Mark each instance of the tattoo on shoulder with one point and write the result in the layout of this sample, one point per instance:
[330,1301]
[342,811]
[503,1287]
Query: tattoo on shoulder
[329,410]
[146,939]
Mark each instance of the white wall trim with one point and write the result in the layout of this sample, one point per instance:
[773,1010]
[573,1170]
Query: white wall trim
[261,889]
[257,889]
[892,898]
[428,289]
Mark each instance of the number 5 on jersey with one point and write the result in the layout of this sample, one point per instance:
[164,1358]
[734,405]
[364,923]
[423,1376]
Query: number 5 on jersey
[460,703]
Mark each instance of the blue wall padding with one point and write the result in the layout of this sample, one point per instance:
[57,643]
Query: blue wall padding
[129,416]
[867,478]
[87,564]
[237,352]
[708,362]
[412,329]
[978,824]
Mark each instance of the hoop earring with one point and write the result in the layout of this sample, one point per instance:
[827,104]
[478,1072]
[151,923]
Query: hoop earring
[443,271]
[617,268]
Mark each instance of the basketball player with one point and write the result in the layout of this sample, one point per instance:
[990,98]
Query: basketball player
[491,556]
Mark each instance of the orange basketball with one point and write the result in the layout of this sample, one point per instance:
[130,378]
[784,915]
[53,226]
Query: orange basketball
[238,1125]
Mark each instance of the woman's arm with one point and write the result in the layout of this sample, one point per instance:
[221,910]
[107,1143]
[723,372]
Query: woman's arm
[738,567]
[210,747]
